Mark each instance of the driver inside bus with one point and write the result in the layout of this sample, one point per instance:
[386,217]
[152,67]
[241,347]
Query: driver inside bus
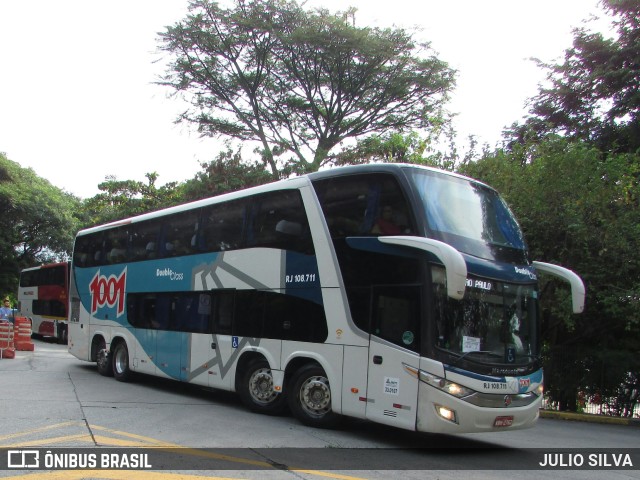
[385,225]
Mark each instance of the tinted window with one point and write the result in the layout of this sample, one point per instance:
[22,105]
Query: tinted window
[180,234]
[144,240]
[222,226]
[292,318]
[370,204]
[278,220]
[396,316]
[245,313]
[184,311]
[53,308]
[43,276]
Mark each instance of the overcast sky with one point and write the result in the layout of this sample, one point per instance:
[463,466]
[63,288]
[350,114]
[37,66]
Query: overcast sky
[78,102]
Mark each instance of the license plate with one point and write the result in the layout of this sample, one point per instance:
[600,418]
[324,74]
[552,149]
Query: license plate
[503,421]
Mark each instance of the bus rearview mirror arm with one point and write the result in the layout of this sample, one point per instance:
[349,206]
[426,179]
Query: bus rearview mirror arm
[577,286]
[452,259]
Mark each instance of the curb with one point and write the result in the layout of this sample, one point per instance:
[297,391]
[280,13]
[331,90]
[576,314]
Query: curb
[585,417]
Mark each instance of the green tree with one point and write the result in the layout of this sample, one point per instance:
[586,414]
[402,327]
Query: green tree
[227,173]
[579,208]
[593,94]
[395,147]
[38,224]
[127,198]
[298,82]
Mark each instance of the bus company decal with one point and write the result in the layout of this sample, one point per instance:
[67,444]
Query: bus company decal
[108,292]
[256,268]
[261,269]
[224,366]
[526,272]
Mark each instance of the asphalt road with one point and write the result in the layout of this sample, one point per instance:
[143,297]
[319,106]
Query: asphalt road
[52,402]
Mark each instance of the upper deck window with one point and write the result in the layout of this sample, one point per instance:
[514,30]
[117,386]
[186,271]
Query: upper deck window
[369,204]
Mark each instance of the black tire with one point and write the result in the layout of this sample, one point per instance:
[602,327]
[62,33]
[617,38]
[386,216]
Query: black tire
[120,362]
[310,397]
[103,360]
[255,387]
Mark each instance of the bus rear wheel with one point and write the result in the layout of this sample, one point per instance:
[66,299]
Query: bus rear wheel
[103,360]
[255,388]
[310,397]
[120,356]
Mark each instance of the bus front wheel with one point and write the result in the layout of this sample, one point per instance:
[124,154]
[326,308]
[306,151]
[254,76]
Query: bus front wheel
[120,356]
[310,397]
[256,391]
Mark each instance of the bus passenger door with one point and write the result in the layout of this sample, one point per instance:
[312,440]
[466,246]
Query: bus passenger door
[224,346]
[392,392]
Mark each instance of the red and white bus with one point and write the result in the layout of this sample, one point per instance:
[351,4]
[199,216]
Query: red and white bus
[43,296]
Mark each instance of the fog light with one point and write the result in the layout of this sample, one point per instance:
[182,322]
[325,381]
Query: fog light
[446,413]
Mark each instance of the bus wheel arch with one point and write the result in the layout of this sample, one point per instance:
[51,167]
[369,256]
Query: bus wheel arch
[102,356]
[310,396]
[254,385]
[120,360]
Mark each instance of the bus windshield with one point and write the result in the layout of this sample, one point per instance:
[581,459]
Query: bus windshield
[469,216]
[494,325]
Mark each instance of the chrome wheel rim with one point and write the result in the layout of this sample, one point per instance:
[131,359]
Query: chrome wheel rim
[121,361]
[315,396]
[261,386]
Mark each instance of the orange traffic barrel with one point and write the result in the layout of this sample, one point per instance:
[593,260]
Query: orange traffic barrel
[7,349]
[22,334]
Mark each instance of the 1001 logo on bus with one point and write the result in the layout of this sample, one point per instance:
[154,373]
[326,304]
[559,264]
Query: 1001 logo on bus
[108,291]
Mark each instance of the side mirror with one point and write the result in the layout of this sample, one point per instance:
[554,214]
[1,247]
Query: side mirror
[578,292]
[452,259]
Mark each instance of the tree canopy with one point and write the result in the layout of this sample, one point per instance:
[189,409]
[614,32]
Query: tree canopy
[38,224]
[594,94]
[299,82]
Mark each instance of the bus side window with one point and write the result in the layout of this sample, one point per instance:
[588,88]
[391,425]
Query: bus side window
[397,315]
[143,240]
[180,234]
[192,312]
[249,313]
[115,247]
[222,310]
[279,221]
[222,226]
[292,318]
[141,310]
[353,206]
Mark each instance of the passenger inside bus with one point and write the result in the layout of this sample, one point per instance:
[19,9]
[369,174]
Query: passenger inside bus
[385,224]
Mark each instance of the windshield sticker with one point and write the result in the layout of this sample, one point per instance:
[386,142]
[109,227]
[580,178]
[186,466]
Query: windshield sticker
[470,344]
[407,337]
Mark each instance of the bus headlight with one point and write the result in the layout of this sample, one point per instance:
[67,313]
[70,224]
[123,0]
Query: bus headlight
[446,413]
[440,383]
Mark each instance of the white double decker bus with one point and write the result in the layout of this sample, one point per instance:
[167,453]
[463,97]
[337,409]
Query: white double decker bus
[389,292]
